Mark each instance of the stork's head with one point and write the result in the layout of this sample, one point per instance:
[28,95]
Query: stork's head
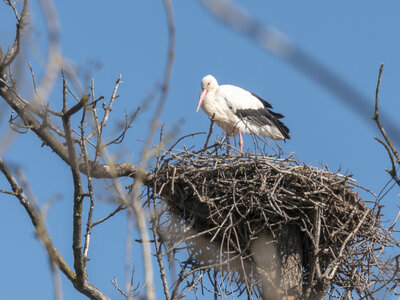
[208,83]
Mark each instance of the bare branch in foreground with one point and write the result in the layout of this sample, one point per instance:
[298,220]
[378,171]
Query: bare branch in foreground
[55,60]
[134,203]
[390,148]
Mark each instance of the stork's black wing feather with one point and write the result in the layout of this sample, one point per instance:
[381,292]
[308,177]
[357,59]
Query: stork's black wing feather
[264,117]
[265,103]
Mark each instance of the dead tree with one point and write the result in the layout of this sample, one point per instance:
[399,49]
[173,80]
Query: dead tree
[263,226]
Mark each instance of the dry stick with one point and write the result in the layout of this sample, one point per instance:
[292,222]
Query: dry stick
[182,276]
[209,134]
[52,259]
[386,283]
[138,292]
[89,223]
[128,123]
[383,192]
[376,118]
[13,51]
[80,283]
[35,219]
[12,4]
[190,287]
[389,145]
[25,185]
[331,269]
[116,286]
[394,220]
[33,78]
[100,127]
[71,91]
[158,251]
[7,192]
[155,223]
[315,268]
[128,249]
[194,236]
[8,58]
[96,129]
[393,171]
[389,231]
[119,208]
[56,280]
[178,282]
[78,194]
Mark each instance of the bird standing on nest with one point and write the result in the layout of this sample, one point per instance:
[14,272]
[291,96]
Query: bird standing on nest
[238,111]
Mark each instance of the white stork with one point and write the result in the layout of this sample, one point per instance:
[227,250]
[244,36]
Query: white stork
[238,111]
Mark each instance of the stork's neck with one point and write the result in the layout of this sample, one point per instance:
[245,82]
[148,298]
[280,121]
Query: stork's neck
[210,96]
[211,104]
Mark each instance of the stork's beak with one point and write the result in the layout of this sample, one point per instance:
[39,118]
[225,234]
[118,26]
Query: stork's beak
[202,96]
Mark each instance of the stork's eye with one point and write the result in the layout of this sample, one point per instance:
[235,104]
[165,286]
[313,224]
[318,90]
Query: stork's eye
[208,84]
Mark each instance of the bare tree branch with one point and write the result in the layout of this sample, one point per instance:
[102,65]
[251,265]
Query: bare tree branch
[119,208]
[107,111]
[89,223]
[390,148]
[34,215]
[12,53]
[79,263]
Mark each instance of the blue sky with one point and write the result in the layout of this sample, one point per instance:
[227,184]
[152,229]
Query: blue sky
[104,39]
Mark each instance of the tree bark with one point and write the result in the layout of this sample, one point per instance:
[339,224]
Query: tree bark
[279,263]
[289,244]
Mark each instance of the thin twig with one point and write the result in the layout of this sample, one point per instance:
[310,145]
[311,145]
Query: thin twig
[209,133]
[107,111]
[13,51]
[34,215]
[119,208]
[89,224]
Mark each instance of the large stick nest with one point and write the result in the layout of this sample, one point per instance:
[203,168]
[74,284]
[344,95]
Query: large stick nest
[231,201]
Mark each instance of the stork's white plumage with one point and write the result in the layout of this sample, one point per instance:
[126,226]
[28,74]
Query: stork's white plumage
[238,111]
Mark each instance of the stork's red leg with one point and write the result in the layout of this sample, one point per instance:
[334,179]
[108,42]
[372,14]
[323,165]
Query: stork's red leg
[240,141]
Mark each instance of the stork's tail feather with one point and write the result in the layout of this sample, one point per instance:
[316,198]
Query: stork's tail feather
[279,124]
[276,115]
[283,129]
